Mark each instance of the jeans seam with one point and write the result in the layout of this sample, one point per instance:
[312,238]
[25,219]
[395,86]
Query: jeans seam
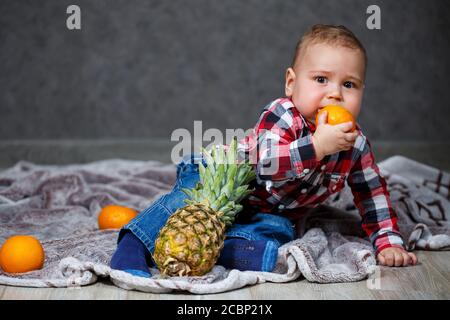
[267,257]
[140,216]
[241,234]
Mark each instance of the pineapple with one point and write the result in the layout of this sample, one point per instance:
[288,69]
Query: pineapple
[190,242]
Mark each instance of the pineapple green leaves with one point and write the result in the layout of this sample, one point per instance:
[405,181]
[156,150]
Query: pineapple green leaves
[223,182]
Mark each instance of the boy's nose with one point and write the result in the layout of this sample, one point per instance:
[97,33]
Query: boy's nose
[334,94]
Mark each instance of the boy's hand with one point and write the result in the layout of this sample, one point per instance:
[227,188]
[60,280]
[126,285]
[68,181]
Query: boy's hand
[329,139]
[398,257]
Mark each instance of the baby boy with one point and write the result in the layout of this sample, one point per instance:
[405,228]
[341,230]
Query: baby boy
[315,159]
[312,161]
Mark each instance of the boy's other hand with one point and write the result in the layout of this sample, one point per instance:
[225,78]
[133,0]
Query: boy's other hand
[396,257]
[329,139]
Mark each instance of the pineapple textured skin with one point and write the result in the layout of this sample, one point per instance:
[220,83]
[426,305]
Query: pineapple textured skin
[190,242]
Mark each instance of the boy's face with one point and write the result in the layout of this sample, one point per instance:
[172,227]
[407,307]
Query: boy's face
[323,75]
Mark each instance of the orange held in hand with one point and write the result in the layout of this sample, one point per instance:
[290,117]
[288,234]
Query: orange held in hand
[21,254]
[336,115]
[115,217]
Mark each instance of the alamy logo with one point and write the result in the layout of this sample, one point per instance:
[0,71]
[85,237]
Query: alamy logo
[374,20]
[263,151]
[73,22]
[374,280]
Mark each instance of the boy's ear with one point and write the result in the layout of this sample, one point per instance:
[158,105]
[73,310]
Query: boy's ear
[289,84]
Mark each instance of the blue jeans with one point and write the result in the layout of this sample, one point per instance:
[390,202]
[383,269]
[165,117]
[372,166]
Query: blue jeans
[261,226]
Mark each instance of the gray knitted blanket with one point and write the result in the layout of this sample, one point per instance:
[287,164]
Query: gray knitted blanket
[59,205]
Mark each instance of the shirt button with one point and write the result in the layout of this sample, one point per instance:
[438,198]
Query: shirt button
[281,207]
[304,190]
[306,171]
[322,167]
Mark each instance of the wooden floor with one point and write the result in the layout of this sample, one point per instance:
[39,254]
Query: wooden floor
[430,279]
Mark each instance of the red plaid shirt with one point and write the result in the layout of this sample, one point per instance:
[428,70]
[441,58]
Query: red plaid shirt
[290,180]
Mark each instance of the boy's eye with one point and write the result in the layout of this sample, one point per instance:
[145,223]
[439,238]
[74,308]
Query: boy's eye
[349,84]
[320,79]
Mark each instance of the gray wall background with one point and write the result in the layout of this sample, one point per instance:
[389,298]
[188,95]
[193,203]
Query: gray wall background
[141,69]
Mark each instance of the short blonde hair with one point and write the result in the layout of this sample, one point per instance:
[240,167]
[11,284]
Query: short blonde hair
[328,34]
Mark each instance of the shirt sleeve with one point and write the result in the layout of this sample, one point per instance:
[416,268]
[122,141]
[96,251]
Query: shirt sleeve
[371,196]
[282,156]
